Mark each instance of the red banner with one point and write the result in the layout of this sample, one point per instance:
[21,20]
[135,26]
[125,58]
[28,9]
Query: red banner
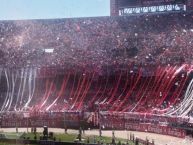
[165,130]
[31,123]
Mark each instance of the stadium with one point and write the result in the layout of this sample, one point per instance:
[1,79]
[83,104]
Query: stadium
[128,76]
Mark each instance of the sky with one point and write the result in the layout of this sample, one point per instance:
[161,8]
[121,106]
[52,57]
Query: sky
[46,9]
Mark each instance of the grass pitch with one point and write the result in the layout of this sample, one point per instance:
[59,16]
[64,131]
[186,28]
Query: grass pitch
[64,138]
[73,137]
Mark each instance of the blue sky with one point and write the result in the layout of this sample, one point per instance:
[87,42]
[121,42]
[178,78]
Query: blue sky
[45,9]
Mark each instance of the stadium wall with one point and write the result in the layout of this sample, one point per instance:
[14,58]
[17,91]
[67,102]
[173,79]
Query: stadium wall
[53,123]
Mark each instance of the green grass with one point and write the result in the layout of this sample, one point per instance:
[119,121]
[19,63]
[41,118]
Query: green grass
[72,137]
[13,144]
[13,135]
[105,139]
[65,138]
[59,136]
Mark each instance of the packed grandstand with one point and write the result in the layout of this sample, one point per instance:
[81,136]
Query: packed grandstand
[129,72]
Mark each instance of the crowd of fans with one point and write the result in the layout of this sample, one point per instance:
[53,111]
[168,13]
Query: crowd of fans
[123,91]
[92,43]
[106,57]
[100,47]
